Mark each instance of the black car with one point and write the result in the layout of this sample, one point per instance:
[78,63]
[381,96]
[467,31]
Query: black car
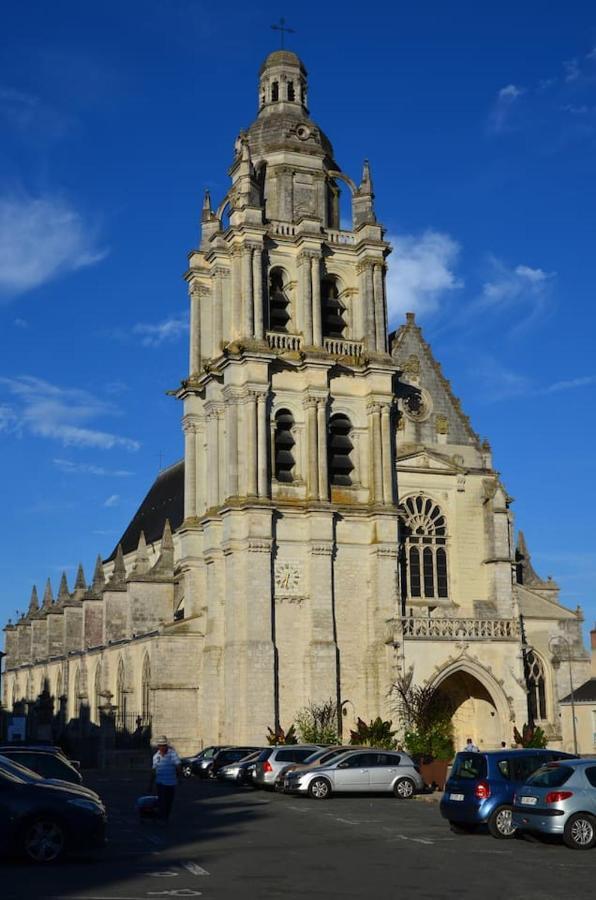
[200,763]
[47,761]
[44,819]
[228,756]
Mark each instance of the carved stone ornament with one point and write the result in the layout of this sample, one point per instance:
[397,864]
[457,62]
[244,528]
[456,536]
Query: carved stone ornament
[442,424]
[412,365]
[288,577]
[418,406]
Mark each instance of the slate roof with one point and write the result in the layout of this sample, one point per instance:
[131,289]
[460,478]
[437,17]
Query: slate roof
[164,500]
[584,694]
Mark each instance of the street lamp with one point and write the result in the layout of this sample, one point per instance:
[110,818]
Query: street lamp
[554,644]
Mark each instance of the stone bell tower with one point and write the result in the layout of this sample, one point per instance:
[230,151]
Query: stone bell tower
[290,533]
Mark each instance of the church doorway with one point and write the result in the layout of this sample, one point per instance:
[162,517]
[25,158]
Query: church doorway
[475,714]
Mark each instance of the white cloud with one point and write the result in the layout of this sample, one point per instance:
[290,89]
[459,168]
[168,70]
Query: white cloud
[507,97]
[7,418]
[153,335]
[570,384]
[523,291]
[497,382]
[572,69]
[421,272]
[113,500]
[73,468]
[41,238]
[46,410]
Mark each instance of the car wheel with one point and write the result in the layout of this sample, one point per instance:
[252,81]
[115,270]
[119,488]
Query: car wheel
[461,827]
[404,788]
[500,824]
[580,832]
[44,841]
[187,771]
[319,789]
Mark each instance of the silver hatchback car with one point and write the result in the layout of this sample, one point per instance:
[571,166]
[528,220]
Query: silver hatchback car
[271,761]
[560,798]
[359,772]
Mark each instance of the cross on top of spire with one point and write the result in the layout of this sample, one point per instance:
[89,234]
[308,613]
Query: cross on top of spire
[283,30]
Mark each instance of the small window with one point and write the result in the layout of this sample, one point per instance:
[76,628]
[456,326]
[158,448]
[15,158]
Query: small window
[284,446]
[340,446]
[275,91]
[524,766]
[591,775]
[291,92]
[265,754]
[387,760]
[504,768]
[550,776]
[469,766]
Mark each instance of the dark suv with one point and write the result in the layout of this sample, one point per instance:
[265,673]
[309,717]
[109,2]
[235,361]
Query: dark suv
[47,761]
[481,787]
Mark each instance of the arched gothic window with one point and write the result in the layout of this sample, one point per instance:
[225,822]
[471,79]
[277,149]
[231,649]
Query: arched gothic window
[536,686]
[279,303]
[424,534]
[283,445]
[146,690]
[339,449]
[332,309]
[121,695]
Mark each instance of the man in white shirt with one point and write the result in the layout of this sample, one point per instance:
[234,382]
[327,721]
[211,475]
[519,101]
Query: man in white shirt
[471,746]
[166,764]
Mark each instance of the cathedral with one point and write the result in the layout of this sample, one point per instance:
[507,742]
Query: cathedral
[336,522]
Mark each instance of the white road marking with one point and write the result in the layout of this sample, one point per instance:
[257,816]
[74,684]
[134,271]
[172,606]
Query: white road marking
[345,821]
[165,874]
[185,892]
[194,868]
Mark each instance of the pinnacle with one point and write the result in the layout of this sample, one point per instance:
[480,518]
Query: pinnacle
[63,592]
[80,583]
[48,597]
[142,564]
[165,562]
[34,601]
[118,580]
[99,578]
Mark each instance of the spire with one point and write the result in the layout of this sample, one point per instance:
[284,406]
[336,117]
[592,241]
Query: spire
[63,592]
[142,564]
[206,212]
[80,583]
[48,597]
[118,580]
[165,563]
[99,578]
[363,208]
[33,602]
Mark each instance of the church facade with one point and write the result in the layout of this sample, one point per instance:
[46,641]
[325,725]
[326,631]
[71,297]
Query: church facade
[335,522]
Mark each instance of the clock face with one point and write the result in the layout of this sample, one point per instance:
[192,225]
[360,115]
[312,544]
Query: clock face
[287,577]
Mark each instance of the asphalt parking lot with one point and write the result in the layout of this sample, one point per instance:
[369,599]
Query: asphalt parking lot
[227,843]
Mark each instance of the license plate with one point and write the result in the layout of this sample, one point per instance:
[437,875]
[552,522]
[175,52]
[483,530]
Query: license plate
[456,796]
[529,801]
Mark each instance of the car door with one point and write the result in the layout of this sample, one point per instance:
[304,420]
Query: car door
[353,773]
[384,771]
[590,773]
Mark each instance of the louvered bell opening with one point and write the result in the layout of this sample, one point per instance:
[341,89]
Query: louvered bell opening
[278,311]
[340,447]
[333,321]
[284,444]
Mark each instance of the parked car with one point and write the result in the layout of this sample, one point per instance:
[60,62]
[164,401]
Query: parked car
[481,787]
[358,772]
[228,756]
[200,763]
[47,761]
[560,799]
[318,758]
[43,819]
[272,760]
[239,771]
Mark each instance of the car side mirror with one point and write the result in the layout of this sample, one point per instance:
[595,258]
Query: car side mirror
[342,765]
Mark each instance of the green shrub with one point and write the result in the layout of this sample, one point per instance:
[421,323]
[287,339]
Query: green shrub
[425,717]
[317,723]
[531,736]
[376,734]
[280,736]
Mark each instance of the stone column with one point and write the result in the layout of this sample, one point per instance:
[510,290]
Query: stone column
[379,307]
[190,470]
[262,445]
[251,442]
[236,293]
[257,269]
[371,328]
[232,439]
[213,458]
[194,364]
[317,336]
[322,449]
[374,413]
[218,276]
[386,453]
[247,292]
[312,444]
[305,276]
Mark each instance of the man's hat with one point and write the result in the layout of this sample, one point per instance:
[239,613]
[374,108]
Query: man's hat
[161,741]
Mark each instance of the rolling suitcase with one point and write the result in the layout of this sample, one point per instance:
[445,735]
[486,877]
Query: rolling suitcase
[147,806]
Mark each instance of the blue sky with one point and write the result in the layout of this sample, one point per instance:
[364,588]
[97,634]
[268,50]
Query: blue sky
[480,124]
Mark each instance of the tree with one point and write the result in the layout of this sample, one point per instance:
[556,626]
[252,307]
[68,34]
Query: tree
[279,736]
[531,736]
[425,717]
[317,723]
[377,734]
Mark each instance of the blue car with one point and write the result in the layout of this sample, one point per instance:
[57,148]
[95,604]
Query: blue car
[481,787]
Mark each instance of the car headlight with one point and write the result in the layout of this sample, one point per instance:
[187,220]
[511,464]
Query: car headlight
[86,804]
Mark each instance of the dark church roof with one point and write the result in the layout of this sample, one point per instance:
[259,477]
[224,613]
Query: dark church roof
[584,694]
[165,500]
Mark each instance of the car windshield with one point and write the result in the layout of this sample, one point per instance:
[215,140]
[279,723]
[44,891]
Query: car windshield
[332,755]
[550,776]
[469,766]
[21,772]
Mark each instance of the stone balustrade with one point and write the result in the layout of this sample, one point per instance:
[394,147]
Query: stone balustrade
[282,229]
[422,628]
[278,340]
[335,236]
[340,347]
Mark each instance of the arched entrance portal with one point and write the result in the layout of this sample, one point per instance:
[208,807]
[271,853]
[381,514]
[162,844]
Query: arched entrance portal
[475,712]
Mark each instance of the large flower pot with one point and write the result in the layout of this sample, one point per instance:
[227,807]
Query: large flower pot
[435,772]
